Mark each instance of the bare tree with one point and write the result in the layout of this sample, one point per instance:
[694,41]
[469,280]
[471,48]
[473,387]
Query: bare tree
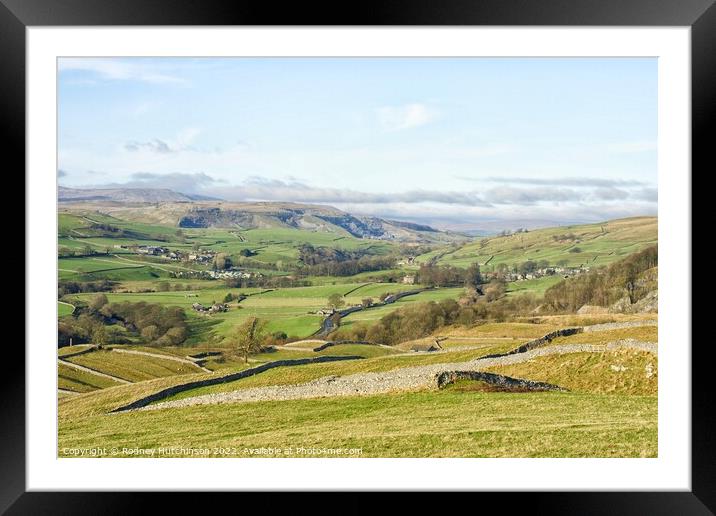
[247,337]
[336,301]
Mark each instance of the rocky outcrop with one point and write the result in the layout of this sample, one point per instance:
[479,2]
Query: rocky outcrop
[646,305]
[496,381]
[649,304]
[592,310]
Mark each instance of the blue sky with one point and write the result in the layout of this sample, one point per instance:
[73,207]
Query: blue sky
[460,143]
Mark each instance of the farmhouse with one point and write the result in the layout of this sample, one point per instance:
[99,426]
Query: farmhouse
[152,250]
[409,279]
[216,307]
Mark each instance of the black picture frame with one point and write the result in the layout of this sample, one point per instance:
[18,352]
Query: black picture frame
[700,15]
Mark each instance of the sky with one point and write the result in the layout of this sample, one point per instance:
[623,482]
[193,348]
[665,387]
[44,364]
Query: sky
[459,143]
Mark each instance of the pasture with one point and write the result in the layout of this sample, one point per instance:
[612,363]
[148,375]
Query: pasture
[287,310]
[133,368]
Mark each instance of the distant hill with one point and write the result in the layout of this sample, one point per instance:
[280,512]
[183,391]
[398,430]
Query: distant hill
[162,206]
[128,195]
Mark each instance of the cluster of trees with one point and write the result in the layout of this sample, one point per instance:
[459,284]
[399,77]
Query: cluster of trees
[221,262]
[71,252]
[327,261]
[531,266]
[448,276]
[564,237]
[101,322]
[85,250]
[350,267]
[422,319]
[86,328]
[267,282]
[508,232]
[165,286]
[605,286]
[157,324]
[599,287]
[108,229]
[413,322]
[77,287]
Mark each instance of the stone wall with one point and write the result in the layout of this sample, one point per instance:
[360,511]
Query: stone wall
[338,342]
[78,353]
[171,391]
[565,332]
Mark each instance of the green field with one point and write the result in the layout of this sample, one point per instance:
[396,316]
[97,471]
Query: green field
[133,368]
[64,309]
[286,309]
[80,381]
[536,286]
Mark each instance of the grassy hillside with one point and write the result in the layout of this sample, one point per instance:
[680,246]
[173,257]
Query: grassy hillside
[587,245]
[440,424]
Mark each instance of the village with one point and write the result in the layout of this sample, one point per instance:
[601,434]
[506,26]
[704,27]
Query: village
[565,272]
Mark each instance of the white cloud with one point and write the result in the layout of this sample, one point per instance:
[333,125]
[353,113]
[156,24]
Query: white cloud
[580,182]
[181,143]
[397,118]
[117,69]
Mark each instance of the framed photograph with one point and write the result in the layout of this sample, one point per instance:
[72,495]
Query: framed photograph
[416,250]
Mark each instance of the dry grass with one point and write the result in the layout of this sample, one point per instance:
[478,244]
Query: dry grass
[614,372]
[134,368]
[643,333]
[425,424]
[80,381]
